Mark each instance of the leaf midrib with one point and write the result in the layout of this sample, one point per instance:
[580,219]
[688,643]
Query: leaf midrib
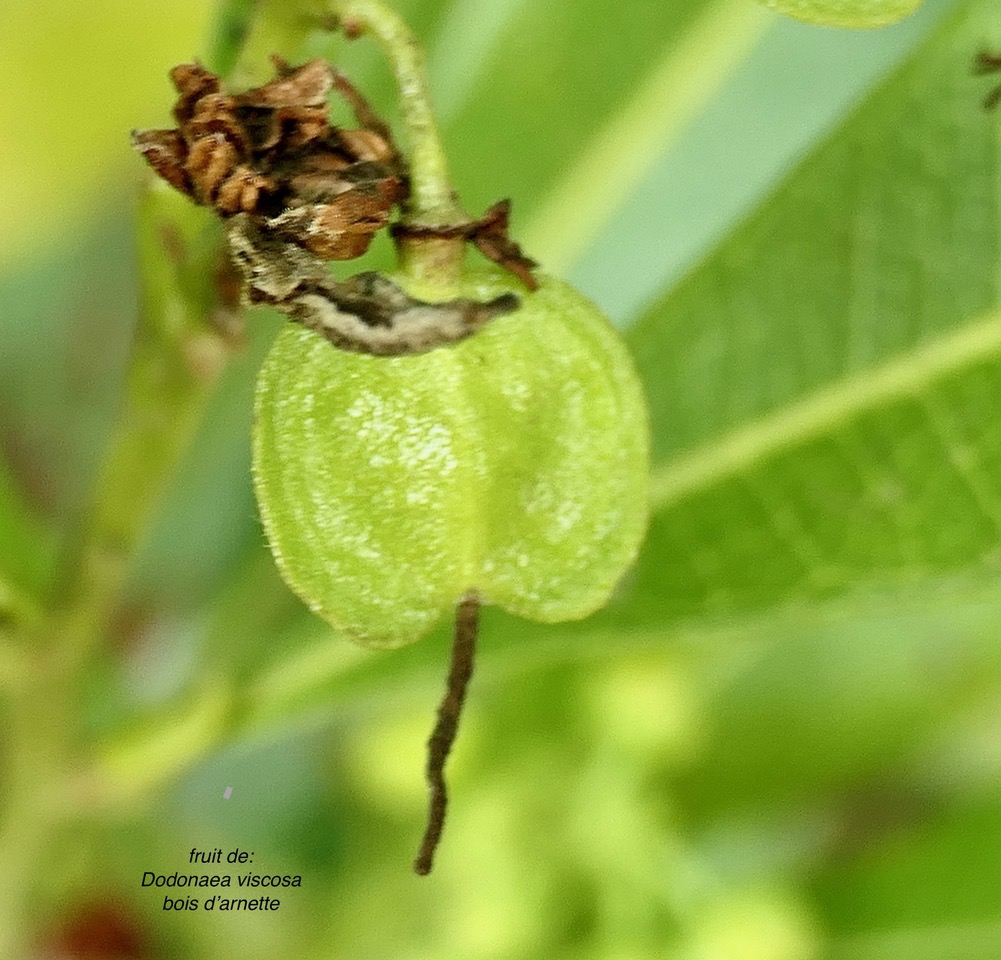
[825,409]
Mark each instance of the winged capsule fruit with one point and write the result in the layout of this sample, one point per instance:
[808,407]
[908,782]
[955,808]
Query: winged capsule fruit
[511,466]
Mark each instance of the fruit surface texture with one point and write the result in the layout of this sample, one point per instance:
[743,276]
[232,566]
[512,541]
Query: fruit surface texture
[513,464]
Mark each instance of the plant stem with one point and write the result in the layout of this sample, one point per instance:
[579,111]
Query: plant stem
[229,32]
[175,363]
[37,746]
[433,201]
[177,357]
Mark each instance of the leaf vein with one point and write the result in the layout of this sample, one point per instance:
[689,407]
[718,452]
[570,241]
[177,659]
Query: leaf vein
[826,409]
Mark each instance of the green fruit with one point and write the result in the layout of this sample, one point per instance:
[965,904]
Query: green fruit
[513,464]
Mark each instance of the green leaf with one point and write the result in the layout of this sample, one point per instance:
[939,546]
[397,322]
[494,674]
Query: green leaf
[922,894]
[846,13]
[831,708]
[824,387]
[557,74]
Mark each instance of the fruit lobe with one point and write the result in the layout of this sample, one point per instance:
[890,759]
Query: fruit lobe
[513,464]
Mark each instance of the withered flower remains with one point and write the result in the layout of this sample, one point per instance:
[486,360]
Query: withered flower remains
[297,191]
[272,152]
[367,313]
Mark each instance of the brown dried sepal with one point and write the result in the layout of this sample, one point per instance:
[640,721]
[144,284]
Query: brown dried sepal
[490,238]
[272,152]
[367,313]
[488,234]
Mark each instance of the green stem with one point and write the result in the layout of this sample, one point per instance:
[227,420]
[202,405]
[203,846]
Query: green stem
[433,201]
[176,360]
[230,30]
[37,742]
[182,345]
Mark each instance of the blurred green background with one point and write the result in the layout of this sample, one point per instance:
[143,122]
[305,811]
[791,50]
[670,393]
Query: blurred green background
[780,742]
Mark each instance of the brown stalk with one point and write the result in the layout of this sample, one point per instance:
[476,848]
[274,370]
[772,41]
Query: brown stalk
[467,624]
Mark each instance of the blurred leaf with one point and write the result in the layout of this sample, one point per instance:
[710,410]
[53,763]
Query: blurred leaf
[558,74]
[974,941]
[247,613]
[846,13]
[823,388]
[927,895]
[230,28]
[130,766]
[26,548]
[75,79]
[838,708]
[696,61]
[188,327]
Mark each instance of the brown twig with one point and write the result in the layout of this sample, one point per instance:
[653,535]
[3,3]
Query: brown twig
[467,624]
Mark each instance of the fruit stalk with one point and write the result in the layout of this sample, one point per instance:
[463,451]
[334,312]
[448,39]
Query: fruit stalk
[433,201]
[467,624]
